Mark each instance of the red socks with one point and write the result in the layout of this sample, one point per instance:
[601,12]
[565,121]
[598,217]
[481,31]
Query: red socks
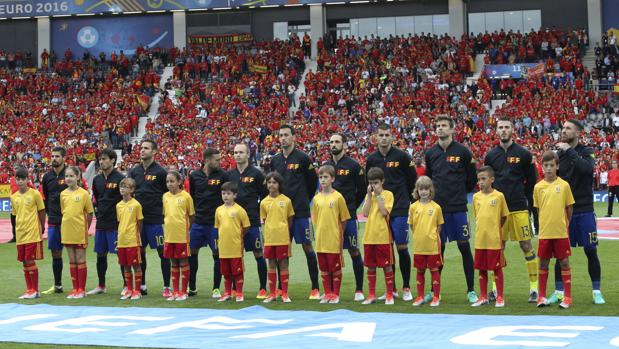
[543,280]
[138,278]
[283,279]
[326,282]
[372,283]
[82,275]
[337,282]
[185,277]
[436,282]
[27,278]
[566,276]
[129,280]
[272,277]
[176,275]
[421,282]
[498,275]
[389,282]
[73,272]
[483,283]
[34,277]
[228,284]
[238,284]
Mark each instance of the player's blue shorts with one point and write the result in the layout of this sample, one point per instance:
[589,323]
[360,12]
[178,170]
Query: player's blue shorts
[152,235]
[202,235]
[583,230]
[106,241]
[252,240]
[54,241]
[456,227]
[301,230]
[350,235]
[399,229]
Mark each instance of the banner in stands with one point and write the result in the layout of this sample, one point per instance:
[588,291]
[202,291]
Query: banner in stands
[107,34]
[198,40]
[514,71]
[29,8]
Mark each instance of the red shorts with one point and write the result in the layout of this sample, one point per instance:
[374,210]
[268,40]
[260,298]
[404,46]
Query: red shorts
[329,262]
[128,256]
[277,252]
[489,259]
[30,251]
[79,246]
[427,261]
[175,250]
[231,266]
[378,256]
[557,248]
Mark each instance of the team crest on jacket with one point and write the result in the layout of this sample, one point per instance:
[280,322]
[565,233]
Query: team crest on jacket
[180,201]
[61,181]
[343,172]
[430,212]
[214,181]
[77,198]
[392,164]
[247,179]
[558,189]
[453,159]
[513,160]
[150,177]
[293,166]
[281,204]
[331,204]
[111,185]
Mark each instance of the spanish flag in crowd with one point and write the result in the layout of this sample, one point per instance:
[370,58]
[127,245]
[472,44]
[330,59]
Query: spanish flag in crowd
[144,101]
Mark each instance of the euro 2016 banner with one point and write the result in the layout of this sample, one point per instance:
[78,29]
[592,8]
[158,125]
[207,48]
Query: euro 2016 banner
[28,8]
[108,34]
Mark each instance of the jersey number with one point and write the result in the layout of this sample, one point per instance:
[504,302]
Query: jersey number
[593,238]
[465,230]
[159,240]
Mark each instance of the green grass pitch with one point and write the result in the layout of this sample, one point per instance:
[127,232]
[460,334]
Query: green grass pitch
[452,288]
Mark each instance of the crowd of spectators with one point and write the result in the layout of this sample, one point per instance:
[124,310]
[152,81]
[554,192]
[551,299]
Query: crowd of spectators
[82,104]
[607,59]
[222,94]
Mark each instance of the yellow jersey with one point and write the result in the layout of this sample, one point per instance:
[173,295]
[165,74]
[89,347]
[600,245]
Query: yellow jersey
[489,209]
[425,219]
[128,214]
[551,199]
[377,230]
[328,211]
[25,207]
[74,206]
[274,213]
[230,221]
[177,208]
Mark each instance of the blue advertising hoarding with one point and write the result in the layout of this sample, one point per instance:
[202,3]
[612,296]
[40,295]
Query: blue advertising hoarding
[29,8]
[107,34]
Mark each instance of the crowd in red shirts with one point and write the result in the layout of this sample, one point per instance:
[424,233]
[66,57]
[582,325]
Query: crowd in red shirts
[223,94]
[87,108]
